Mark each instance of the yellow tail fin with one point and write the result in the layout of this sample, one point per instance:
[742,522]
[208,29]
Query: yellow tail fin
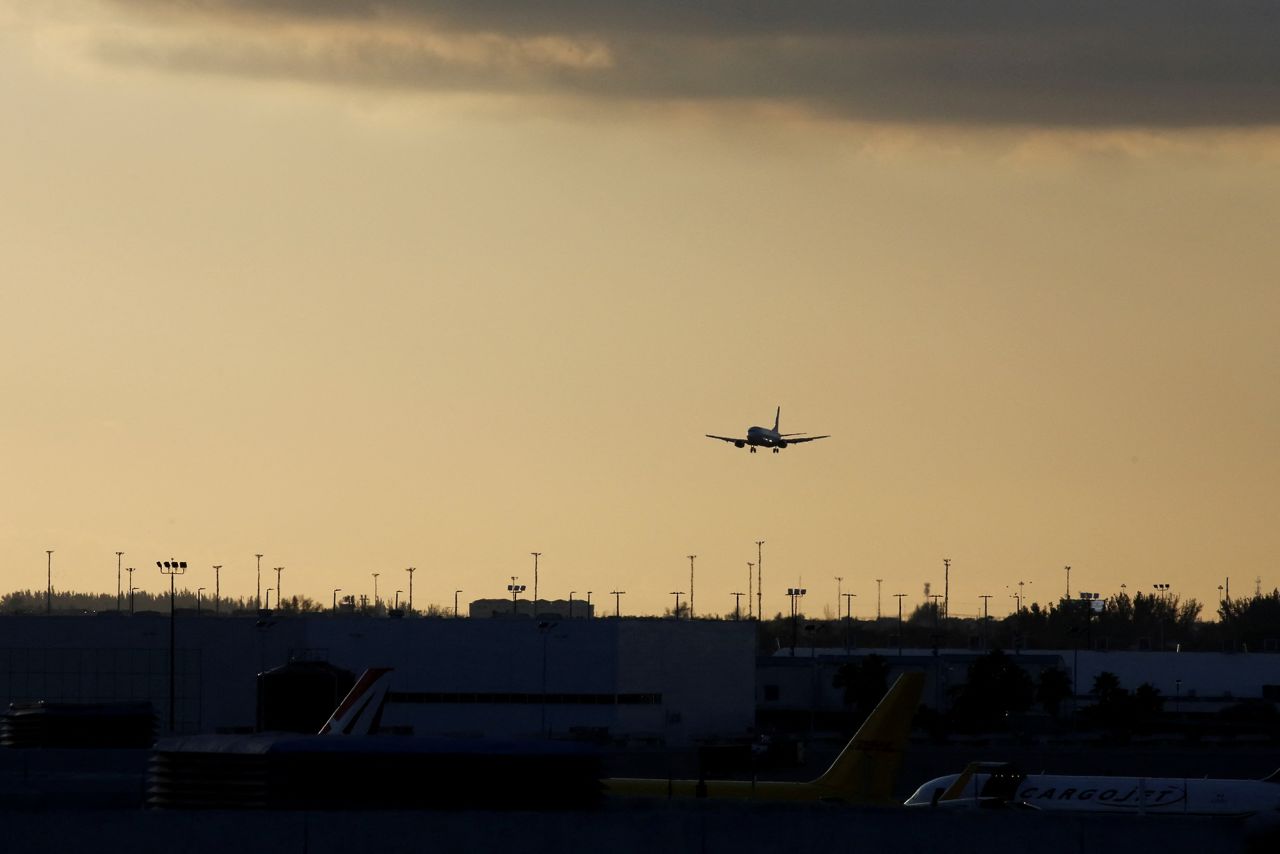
[865,769]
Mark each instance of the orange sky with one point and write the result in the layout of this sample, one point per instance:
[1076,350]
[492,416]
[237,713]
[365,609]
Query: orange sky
[369,322]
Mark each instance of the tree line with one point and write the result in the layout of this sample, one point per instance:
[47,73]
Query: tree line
[1122,622]
[999,695]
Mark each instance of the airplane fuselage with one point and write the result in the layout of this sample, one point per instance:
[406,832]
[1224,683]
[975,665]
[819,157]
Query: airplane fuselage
[1146,795]
[763,437]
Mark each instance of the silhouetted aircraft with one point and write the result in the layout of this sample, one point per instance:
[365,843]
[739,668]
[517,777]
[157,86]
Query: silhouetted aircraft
[763,437]
[863,773]
[999,784]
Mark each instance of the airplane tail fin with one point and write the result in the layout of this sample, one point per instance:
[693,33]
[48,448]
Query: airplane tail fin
[866,768]
[777,417]
[361,710]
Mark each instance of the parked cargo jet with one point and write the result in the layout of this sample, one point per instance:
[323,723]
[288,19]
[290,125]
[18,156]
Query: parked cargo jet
[763,437]
[996,784]
[863,773]
[281,770]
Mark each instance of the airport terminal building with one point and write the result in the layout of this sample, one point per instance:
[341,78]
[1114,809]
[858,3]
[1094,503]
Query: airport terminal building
[644,681]
[648,680]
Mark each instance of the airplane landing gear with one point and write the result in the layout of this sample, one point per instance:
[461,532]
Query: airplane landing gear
[775,450]
[753,449]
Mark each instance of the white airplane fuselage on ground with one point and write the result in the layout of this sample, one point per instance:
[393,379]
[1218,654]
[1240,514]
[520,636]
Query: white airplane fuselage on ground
[989,784]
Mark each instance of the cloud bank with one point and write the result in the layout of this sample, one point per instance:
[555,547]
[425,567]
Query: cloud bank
[1069,63]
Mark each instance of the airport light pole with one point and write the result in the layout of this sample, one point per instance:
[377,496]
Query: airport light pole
[119,591]
[411,570]
[899,597]
[588,604]
[396,606]
[848,616]
[751,580]
[737,605]
[48,589]
[936,609]
[279,595]
[336,591]
[795,593]
[1068,569]
[131,589]
[760,579]
[455,603]
[571,592]
[946,587]
[675,615]
[1163,590]
[878,581]
[617,602]
[839,584]
[172,568]
[217,587]
[375,589]
[257,603]
[515,590]
[986,625]
[691,557]
[535,583]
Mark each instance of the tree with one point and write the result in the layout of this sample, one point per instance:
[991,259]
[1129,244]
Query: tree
[1119,711]
[996,687]
[1146,706]
[1053,688]
[1106,687]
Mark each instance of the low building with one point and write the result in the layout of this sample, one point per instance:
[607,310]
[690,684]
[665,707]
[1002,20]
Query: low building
[666,681]
[547,609]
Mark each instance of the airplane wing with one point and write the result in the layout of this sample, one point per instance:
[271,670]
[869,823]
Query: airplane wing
[724,438]
[806,439]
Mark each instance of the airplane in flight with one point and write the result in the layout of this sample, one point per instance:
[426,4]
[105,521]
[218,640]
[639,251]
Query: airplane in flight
[999,784]
[863,773]
[763,437]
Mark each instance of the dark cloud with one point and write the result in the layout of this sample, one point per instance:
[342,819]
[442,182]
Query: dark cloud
[1042,62]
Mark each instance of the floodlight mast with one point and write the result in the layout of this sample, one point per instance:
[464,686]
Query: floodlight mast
[172,568]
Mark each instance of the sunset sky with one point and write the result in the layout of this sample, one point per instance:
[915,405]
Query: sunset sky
[434,283]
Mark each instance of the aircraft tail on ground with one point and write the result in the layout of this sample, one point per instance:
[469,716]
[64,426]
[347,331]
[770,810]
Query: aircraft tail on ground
[361,710]
[865,769]
[862,774]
